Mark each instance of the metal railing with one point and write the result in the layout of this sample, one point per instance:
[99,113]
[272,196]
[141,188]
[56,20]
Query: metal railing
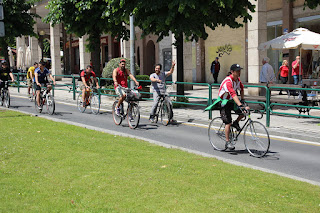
[72,87]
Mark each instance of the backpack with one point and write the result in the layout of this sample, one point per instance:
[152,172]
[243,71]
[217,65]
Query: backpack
[133,95]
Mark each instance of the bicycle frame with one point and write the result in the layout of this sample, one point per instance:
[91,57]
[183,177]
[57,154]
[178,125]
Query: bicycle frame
[245,124]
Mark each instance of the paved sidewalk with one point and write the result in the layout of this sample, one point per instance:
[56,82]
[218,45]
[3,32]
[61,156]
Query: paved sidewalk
[286,126]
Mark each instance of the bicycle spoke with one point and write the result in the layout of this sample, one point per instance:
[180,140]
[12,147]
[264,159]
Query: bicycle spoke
[256,139]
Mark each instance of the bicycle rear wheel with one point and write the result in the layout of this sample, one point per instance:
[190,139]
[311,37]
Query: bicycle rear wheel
[133,115]
[216,133]
[256,139]
[116,118]
[50,104]
[95,104]
[165,113]
[81,108]
[6,98]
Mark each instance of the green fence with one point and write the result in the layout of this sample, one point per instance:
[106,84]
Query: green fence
[109,91]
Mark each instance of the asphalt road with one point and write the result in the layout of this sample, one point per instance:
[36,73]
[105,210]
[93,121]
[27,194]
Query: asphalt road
[286,156]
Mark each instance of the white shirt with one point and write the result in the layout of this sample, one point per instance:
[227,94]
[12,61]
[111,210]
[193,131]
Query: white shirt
[267,73]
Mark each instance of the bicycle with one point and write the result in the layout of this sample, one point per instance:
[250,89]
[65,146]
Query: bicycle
[45,99]
[133,111]
[5,95]
[164,108]
[256,136]
[93,101]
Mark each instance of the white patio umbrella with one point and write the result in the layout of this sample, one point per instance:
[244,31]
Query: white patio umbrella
[11,59]
[299,38]
[28,57]
[20,58]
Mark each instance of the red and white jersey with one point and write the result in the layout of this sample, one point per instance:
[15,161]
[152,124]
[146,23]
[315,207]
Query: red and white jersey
[229,87]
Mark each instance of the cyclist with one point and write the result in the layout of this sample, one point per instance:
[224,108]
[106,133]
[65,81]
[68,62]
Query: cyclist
[30,75]
[85,76]
[228,100]
[120,77]
[157,81]
[5,72]
[41,77]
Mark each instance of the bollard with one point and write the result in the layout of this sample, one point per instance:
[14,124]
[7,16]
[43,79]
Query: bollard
[74,87]
[267,106]
[18,80]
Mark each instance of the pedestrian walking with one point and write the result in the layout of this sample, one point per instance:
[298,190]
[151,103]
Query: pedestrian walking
[215,68]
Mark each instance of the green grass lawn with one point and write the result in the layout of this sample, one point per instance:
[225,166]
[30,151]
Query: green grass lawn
[47,166]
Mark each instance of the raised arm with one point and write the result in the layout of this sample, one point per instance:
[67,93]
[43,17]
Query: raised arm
[172,68]
[132,77]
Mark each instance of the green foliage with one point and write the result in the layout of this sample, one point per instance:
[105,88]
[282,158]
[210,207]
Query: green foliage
[190,18]
[18,21]
[82,17]
[312,4]
[114,63]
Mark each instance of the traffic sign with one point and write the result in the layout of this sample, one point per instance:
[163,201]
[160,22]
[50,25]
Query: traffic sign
[1,12]
[2,32]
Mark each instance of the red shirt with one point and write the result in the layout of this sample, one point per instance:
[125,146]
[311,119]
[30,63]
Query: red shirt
[228,88]
[284,71]
[296,70]
[122,78]
[86,75]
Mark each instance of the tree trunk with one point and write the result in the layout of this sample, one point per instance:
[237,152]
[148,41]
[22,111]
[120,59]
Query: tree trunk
[95,39]
[180,77]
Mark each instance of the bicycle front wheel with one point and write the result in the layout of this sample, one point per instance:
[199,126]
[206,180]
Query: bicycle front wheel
[38,108]
[81,108]
[216,133]
[256,139]
[165,113]
[133,115]
[50,104]
[116,118]
[95,104]
[6,99]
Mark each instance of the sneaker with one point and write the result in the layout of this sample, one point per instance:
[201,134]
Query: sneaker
[39,107]
[118,111]
[235,124]
[151,120]
[84,104]
[173,121]
[131,118]
[230,146]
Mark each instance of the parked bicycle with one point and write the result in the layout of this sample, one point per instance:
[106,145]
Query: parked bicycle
[45,99]
[5,95]
[92,101]
[132,113]
[256,136]
[164,109]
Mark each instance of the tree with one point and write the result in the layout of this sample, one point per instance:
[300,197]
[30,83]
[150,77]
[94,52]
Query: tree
[16,13]
[312,4]
[91,17]
[185,18]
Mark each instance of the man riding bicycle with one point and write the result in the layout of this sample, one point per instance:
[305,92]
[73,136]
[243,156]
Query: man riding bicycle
[228,100]
[85,76]
[5,72]
[30,75]
[41,77]
[120,77]
[157,81]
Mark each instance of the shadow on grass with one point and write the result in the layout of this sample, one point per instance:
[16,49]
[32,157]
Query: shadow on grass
[13,116]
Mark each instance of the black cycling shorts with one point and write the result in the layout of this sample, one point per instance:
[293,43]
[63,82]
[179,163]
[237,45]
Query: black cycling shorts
[37,87]
[225,112]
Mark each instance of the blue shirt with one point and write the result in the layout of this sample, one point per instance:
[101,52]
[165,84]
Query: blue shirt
[42,76]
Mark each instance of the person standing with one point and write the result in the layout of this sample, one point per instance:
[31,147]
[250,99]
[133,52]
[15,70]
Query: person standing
[215,68]
[283,72]
[296,72]
[267,72]
[30,75]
